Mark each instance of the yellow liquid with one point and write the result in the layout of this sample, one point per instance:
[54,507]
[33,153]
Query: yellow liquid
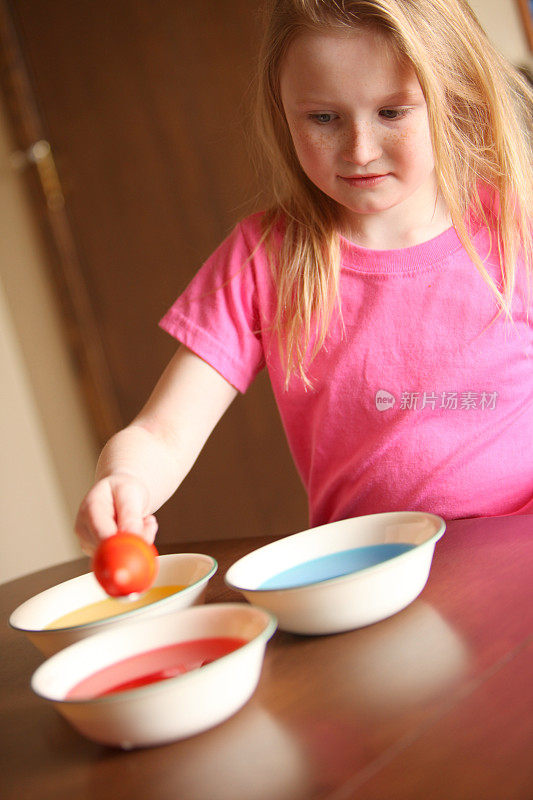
[109,607]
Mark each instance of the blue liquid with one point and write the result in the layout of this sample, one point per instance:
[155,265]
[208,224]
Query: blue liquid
[334,565]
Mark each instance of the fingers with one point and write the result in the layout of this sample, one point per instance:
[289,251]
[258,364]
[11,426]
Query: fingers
[96,517]
[113,504]
[150,527]
[87,549]
[130,501]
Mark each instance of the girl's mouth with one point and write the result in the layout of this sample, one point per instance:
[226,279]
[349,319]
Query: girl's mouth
[364,180]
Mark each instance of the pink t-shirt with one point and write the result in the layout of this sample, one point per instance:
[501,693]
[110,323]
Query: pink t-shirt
[424,402]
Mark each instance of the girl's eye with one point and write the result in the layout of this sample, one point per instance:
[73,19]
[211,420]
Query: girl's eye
[322,118]
[393,113]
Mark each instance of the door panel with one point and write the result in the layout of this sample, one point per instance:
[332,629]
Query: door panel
[145,106]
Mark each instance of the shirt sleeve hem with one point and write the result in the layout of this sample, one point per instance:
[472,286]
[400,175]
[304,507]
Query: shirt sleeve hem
[208,349]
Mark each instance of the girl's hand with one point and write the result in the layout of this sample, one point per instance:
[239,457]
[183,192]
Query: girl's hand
[116,503]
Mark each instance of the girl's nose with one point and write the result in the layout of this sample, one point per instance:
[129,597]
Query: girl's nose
[361,145]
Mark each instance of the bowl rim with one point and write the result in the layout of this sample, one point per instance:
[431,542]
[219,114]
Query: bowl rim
[271,624]
[119,615]
[354,574]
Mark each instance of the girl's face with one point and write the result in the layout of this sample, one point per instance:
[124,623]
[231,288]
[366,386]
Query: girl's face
[359,125]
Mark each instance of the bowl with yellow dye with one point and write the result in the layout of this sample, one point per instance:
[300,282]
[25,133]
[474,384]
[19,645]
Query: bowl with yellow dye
[79,607]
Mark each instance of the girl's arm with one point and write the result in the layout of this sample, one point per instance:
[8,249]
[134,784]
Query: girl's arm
[142,465]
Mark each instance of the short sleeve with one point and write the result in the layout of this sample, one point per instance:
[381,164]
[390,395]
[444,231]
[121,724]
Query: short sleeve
[217,316]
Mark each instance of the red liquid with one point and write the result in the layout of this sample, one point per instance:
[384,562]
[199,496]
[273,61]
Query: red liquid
[152,666]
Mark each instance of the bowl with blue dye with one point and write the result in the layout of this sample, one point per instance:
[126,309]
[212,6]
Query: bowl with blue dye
[342,575]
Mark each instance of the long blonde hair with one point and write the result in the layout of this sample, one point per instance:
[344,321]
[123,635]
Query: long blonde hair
[480,118]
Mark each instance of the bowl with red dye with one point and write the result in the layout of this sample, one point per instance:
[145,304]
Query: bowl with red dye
[161,679]
[342,575]
[79,607]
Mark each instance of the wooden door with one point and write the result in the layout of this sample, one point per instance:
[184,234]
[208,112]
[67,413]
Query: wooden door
[144,103]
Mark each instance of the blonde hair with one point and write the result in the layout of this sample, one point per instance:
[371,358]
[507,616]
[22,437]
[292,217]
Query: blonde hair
[480,117]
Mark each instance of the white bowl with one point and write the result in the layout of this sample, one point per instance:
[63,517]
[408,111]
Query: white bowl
[171,709]
[342,603]
[192,570]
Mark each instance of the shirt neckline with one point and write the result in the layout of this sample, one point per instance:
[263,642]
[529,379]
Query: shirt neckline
[406,259]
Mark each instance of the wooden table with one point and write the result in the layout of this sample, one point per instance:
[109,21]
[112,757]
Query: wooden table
[435,702]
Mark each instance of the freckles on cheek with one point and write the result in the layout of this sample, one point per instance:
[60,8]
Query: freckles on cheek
[407,144]
[313,152]
[401,140]
[312,142]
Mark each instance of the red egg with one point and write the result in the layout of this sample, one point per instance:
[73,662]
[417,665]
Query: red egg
[125,564]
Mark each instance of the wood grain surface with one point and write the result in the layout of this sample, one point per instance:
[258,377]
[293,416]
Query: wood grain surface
[434,702]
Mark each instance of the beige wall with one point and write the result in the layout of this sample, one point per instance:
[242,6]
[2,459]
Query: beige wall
[48,452]
[502,23]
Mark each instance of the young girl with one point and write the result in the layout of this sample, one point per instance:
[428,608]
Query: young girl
[385,290]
